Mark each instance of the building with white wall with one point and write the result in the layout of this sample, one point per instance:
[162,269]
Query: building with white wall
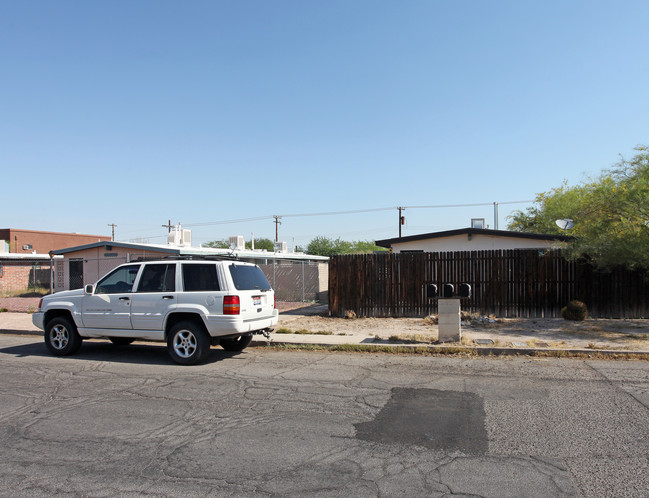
[473,239]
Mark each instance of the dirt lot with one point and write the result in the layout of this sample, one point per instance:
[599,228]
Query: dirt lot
[546,332]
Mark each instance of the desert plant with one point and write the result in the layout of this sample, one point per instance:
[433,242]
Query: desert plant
[576,311]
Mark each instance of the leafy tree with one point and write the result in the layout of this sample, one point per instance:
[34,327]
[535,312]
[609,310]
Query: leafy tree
[610,214]
[267,244]
[323,246]
[366,247]
[225,244]
[218,244]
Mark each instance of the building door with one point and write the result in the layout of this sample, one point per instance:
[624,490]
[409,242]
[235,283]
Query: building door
[76,273]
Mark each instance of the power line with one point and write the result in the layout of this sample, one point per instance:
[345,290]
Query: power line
[225,222]
[333,213]
[466,205]
[353,211]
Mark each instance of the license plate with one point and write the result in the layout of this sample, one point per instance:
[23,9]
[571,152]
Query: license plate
[256,301]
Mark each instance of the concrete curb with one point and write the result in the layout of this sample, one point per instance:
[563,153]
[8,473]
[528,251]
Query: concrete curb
[480,351]
[22,332]
[441,349]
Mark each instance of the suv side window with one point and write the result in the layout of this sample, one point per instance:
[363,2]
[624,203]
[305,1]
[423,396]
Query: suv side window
[201,277]
[119,281]
[158,278]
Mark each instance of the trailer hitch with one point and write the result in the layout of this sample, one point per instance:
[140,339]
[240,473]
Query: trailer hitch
[264,332]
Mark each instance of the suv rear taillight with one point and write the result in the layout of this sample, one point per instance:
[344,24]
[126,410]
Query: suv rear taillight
[231,305]
[40,304]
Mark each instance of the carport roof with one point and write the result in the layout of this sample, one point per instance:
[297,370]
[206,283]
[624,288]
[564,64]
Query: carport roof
[195,251]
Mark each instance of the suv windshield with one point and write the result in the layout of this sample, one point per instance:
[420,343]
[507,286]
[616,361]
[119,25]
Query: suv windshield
[249,278]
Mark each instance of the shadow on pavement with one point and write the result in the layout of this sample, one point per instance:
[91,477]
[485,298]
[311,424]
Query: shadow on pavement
[142,354]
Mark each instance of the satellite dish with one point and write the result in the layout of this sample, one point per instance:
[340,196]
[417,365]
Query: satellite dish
[566,224]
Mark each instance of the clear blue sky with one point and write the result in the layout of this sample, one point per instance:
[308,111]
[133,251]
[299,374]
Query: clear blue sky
[202,112]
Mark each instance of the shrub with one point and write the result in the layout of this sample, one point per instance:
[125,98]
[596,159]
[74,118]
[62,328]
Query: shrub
[576,310]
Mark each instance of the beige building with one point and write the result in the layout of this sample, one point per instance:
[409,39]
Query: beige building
[473,239]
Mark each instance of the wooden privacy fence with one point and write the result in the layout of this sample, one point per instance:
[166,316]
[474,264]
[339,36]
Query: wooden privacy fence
[505,283]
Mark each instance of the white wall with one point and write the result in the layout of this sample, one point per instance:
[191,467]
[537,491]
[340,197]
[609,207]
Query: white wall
[475,243]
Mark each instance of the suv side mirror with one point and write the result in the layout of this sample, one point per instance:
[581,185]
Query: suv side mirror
[89,289]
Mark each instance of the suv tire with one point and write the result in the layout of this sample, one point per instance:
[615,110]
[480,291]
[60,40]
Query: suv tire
[237,344]
[188,343]
[61,337]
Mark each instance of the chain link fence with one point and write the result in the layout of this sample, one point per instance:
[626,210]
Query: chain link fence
[297,281]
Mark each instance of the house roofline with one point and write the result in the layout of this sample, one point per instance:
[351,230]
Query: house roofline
[472,231]
[45,232]
[195,251]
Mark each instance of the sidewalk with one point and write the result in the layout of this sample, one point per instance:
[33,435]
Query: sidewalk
[373,333]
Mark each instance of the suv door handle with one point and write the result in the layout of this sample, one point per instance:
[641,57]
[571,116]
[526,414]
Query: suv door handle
[124,298]
[167,297]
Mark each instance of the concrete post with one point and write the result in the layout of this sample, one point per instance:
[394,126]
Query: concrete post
[449,320]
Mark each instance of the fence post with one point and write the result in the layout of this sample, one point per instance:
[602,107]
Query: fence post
[303,284]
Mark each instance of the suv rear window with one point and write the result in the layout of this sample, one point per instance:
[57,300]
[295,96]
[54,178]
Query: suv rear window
[249,278]
[197,278]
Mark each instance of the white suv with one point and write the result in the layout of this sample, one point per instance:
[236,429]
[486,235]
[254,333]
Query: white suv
[190,305]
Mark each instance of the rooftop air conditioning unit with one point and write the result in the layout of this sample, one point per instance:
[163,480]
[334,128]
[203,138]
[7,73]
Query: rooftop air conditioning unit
[478,223]
[173,238]
[186,238]
[281,247]
[237,243]
[180,237]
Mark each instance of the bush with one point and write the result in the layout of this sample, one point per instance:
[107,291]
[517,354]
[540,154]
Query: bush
[576,310]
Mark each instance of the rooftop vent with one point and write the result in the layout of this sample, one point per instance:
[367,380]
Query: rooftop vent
[237,243]
[478,223]
[179,237]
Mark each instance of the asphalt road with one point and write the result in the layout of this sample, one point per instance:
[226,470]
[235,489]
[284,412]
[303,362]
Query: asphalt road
[127,421]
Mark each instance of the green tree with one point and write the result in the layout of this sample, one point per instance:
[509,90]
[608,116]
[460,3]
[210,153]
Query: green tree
[218,244]
[366,247]
[610,214]
[225,244]
[324,246]
[267,244]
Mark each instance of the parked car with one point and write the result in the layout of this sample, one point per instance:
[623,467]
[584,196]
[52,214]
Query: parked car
[190,305]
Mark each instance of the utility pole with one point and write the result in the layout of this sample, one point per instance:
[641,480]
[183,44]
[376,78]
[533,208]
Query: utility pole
[277,224]
[168,226]
[113,236]
[402,219]
[495,216]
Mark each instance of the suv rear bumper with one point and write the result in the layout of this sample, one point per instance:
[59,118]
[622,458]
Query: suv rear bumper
[219,325]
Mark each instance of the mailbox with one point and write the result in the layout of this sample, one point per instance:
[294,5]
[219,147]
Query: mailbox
[431,291]
[464,290]
[449,290]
